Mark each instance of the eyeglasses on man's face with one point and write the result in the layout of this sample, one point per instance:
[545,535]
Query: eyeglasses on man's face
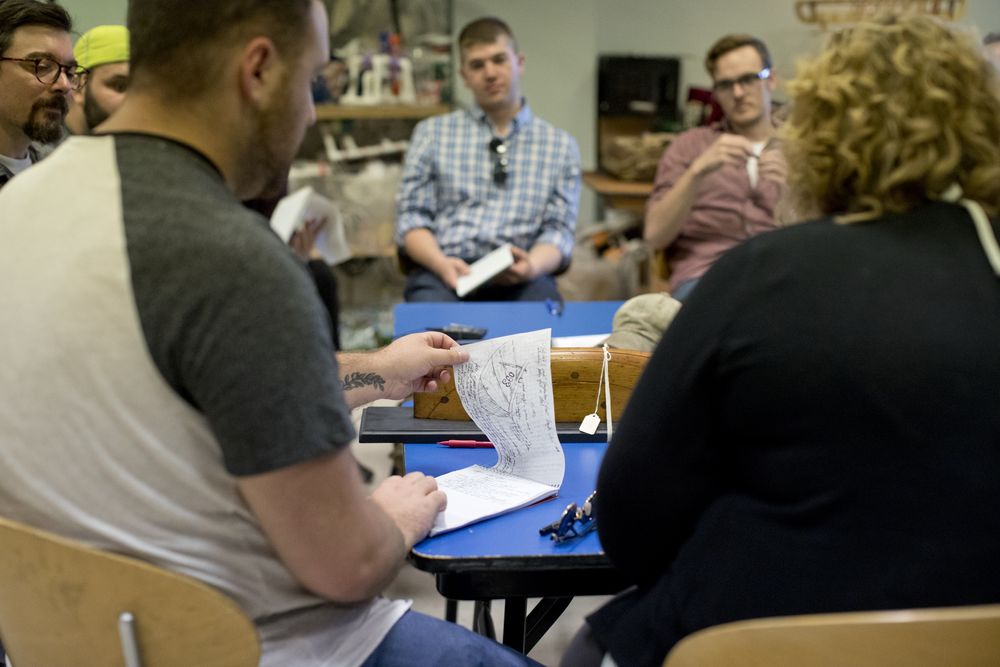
[47,71]
[501,163]
[726,86]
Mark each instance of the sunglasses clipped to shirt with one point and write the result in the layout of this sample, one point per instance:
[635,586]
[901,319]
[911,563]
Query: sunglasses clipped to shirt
[501,162]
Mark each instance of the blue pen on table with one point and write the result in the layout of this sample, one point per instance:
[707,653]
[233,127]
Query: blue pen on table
[466,443]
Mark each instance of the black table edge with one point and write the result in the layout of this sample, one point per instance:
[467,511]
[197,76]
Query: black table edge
[389,423]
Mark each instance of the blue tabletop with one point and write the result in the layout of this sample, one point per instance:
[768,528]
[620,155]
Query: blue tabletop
[510,539]
[508,317]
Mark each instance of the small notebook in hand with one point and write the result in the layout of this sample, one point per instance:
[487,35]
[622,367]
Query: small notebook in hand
[294,210]
[484,269]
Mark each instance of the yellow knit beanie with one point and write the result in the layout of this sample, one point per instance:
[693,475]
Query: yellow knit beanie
[102,45]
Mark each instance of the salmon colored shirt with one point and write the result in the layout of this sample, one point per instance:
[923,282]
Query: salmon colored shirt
[726,212]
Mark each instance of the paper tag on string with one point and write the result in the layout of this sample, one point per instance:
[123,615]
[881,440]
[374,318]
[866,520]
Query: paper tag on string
[590,423]
[606,376]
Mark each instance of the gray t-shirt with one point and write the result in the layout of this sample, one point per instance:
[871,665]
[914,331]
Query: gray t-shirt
[162,342]
[229,315]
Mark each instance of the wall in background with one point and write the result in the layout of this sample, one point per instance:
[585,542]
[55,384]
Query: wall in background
[88,13]
[687,29]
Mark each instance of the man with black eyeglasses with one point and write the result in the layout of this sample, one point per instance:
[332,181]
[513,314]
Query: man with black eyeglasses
[717,186]
[37,74]
[491,175]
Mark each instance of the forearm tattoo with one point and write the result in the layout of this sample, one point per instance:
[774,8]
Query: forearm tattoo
[359,380]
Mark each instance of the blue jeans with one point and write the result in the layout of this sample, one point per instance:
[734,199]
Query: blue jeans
[417,640]
[422,285]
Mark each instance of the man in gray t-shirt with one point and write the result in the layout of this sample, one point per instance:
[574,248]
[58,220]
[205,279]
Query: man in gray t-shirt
[175,361]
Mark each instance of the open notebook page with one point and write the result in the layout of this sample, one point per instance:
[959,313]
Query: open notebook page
[506,387]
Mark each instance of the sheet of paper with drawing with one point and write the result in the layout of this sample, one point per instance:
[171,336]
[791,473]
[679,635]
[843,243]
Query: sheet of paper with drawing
[506,387]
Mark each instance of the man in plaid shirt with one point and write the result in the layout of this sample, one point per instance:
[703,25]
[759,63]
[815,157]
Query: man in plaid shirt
[492,175]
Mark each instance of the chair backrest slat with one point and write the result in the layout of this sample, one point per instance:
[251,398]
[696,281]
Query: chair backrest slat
[60,602]
[953,636]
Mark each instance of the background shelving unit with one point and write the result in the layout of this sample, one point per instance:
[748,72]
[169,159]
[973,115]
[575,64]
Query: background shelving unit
[331,112]
[359,148]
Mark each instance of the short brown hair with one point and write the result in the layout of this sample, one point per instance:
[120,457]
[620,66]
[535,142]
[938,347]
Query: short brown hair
[485,30]
[892,113]
[731,43]
[178,41]
[17,13]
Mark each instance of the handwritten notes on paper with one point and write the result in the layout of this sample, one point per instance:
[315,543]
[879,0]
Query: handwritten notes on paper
[506,387]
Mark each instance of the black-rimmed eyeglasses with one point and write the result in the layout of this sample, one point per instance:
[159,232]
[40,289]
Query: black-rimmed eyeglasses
[501,163]
[47,71]
[745,81]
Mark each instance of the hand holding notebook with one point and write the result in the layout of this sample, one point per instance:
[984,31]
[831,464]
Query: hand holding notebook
[484,269]
[305,204]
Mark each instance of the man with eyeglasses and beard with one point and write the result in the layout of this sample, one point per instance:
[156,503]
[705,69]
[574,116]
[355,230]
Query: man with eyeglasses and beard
[37,74]
[491,175]
[717,186]
[104,52]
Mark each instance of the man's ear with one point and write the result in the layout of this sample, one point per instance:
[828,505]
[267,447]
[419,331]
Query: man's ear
[77,96]
[464,73]
[260,69]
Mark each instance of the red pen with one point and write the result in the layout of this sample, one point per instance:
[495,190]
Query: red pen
[466,443]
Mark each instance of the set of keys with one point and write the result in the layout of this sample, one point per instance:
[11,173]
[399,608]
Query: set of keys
[574,522]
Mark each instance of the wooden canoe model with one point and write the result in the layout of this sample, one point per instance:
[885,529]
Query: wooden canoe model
[576,372]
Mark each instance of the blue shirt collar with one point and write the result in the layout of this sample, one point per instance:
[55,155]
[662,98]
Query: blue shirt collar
[522,119]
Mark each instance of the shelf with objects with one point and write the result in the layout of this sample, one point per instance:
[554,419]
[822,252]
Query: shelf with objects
[637,116]
[328,112]
[391,67]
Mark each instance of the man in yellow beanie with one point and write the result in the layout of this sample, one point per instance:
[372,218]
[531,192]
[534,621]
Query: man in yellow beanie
[104,51]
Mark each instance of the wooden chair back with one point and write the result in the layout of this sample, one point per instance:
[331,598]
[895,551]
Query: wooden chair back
[952,636]
[60,603]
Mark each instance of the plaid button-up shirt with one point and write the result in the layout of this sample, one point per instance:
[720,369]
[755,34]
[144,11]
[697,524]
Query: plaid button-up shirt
[448,185]
[728,209]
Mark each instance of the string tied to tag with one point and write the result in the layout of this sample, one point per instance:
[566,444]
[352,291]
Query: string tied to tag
[593,420]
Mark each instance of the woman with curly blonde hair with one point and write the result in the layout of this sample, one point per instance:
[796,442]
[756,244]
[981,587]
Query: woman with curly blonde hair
[893,114]
[819,429]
